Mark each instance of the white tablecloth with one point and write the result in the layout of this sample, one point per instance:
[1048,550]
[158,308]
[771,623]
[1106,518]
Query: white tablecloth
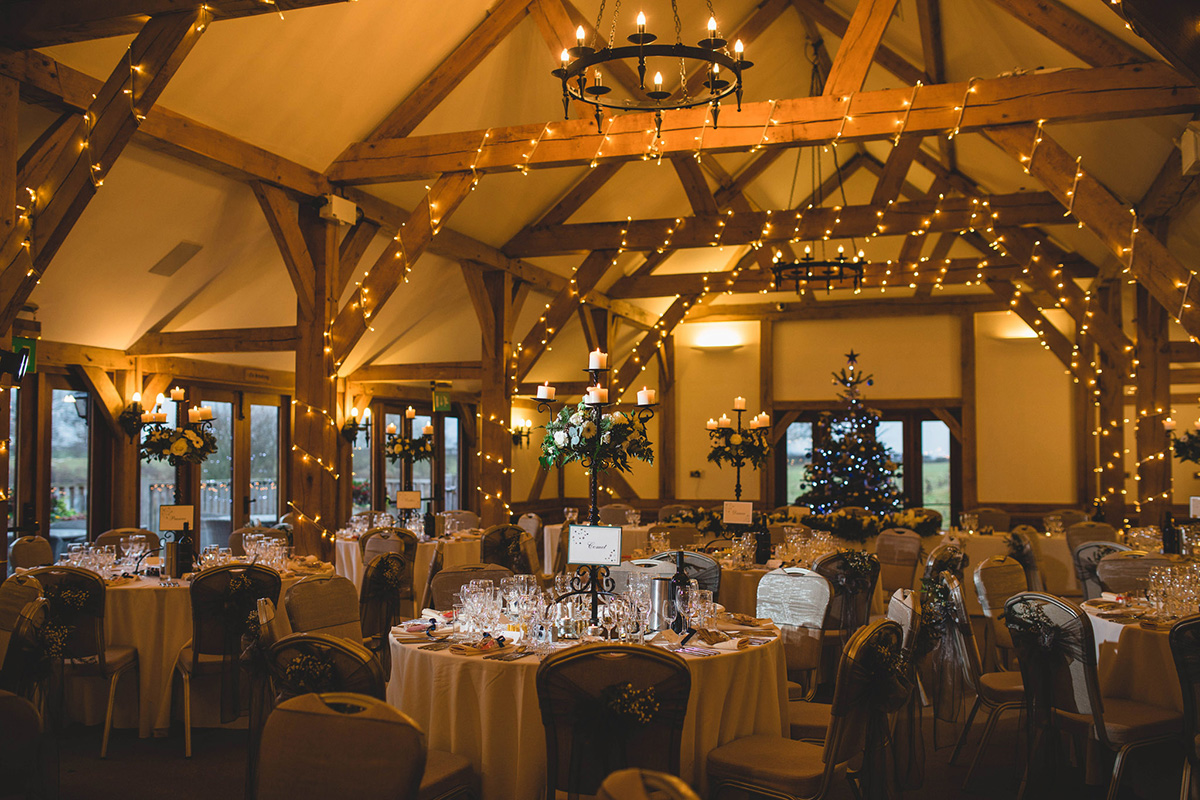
[633,537]
[488,711]
[349,563]
[1135,663]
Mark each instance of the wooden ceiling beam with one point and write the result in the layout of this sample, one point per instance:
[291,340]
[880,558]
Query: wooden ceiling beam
[646,347]
[847,309]
[438,85]
[350,252]
[10,92]
[856,53]
[753,27]
[430,371]
[276,339]
[1073,32]
[1172,194]
[284,222]
[933,49]
[895,169]
[691,177]
[1081,95]
[26,24]
[1051,337]
[931,215]
[829,19]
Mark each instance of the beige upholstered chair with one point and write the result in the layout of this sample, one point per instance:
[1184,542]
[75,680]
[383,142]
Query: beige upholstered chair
[1082,532]
[614,513]
[899,554]
[1071,516]
[236,546]
[388,759]
[31,551]
[1129,571]
[669,510]
[467,520]
[996,579]
[622,573]
[530,523]
[115,536]
[389,540]
[997,519]
[15,593]
[644,784]
[324,604]
[796,600]
[272,626]
[449,581]
[679,536]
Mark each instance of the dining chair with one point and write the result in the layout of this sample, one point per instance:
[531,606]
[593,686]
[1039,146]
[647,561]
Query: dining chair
[1021,549]
[998,578]
[852,577]
[1128,571]
[16,592]
[316,662]
[467,520]
[325,604]
[946,557]
[24,750]
[449,582]
[1082,532]
[678,536]
[998,691]
[75,601]
[237,538]
[224,609]
[388,759]
[765,764]
[671,509]
[1086,557]
[622,574]
[997,519]
[31,551]
[23,671]
[703,569]
[1184,638]
[386,587]
[796,600]
[508,546]
[530,523]
[114,537]
[607,707]
[272,626]
[1056,648]
[391,540]
[644,784]
[614,513]
[1072,516]
[899,554]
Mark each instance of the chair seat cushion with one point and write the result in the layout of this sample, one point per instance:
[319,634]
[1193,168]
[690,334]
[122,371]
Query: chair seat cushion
[795,691]
[209,664]
[1002,687]
[444,773]
[769,762]
[116,658]
[809,720]
[1127,721]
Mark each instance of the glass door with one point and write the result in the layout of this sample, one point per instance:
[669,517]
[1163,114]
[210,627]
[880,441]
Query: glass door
[69,462]
[261,505]
[216,479]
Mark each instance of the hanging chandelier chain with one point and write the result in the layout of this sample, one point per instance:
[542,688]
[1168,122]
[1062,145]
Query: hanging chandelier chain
[599,22]
[678,24]
[612,32]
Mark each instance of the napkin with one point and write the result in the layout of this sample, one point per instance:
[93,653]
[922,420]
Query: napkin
[732,645]
[666,636]
[710,636]
[746,620]
[486,646]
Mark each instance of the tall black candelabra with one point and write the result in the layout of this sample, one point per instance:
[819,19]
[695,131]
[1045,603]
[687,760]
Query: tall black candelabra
[737,445]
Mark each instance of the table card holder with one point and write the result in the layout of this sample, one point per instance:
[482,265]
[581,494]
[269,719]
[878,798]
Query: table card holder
[594,548]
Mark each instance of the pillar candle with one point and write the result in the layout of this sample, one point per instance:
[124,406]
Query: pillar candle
[193,414]
[409,413]
[427,430]
[177,394]
[391,428]
[723,422]
[147,416]
[1169,424]
[597,359]
[711,425]
[206,412]
[739,404]
[646,397]
[546,391]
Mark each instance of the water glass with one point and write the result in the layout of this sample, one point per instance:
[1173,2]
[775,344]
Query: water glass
[633,517]
[660,542]
[570,515]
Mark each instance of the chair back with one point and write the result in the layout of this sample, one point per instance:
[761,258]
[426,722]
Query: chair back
[1086,557]
[796,600]
[237,539]
[272,626]
[622,574]
[1185,650]
[997,579]
[1082,532]
[899,553]
[1021,549]
[296,762]
[946,557]
[679,536]
[644,784]
[313,662]
[904,609]
[387,583]
[699,567]
[467,520]
[1071,516]
[28,552]
[15,593]
[670,510]
[508,546]
[852,575]
[607,707]
[614,513]
[21,759]
[967,649]
[325,604]
[114,537]
[997,519]
[225,606]
[530,523]
[391,540]
[1129,570]
[1056,649]
[23,670]
[75,600]
[448,582]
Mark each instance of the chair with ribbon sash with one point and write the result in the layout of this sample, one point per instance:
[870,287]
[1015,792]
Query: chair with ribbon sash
[386,588]
[1056,648]
[644,784]
[873,681]
[997,579]
[1082,532]
[509,547]
[1128,571]
[324,604]
[796,600]
[852,575]
[390,540]
[946,557]
[16,592]
[314,662]
[1087,558]
[1185,649]
[608,707]
[1020,549]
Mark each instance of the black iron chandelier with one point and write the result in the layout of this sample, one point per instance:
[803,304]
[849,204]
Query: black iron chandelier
[582,77]
[809,270]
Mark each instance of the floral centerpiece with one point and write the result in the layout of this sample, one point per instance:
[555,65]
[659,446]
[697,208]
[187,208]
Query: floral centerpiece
[572,435]
[178,446]
[850,525]
[710,523]
[401,447]
[752,445]
[1187,446]
[924,521]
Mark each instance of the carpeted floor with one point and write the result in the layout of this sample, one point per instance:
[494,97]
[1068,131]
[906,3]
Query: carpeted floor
[156,768]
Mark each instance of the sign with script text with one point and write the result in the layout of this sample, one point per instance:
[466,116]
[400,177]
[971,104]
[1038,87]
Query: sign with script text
[594,544]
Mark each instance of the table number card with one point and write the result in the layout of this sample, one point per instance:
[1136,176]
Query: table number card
[1194,507]
[738,513]
[174,518]
[594,544]
[408,499]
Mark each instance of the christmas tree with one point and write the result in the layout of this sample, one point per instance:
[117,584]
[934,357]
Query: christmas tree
[851,467]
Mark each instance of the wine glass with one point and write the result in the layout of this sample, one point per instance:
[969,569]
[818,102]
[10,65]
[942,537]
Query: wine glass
[570,515]
[608,615]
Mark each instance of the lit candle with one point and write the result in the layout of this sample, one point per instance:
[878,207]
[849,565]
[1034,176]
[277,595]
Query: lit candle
[711,424]
[206,412]
[712,27]
[160,416]
[545,391]
[601,394]
[737,49]
[391,428]
[366,415]
[354,415]
[579,36]
[766,420]
[427,430]
[1169,424]
[641,22]
[566,57]
[137,399]
[597,359]
[158,401]
[646,397]
[658,81]
[723,422]
[193,414]
[739,404]
[409,413]
[177,394]
[1197,425]
[147,416]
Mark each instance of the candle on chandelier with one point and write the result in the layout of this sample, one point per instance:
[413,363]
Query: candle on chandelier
[646,397]
[579,36]
[739,404]
[177,394]
[641,22]
[545,391]
[158,401]
[724,422]
[597,359]
[137,400]
[738,49]
[391,428]
[658,81]
[354,414]
[712,27]
[409,413]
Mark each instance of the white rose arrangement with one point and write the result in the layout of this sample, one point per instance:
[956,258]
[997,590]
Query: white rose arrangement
[572,435]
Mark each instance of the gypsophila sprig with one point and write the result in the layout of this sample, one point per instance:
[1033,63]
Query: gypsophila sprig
[178,445]
[573,435]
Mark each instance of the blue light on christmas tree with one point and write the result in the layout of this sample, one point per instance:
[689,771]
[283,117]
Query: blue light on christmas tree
[851,467]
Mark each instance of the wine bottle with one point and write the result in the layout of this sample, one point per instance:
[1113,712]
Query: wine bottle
[184,552]
[1170,536]
[679,585]
[428,522]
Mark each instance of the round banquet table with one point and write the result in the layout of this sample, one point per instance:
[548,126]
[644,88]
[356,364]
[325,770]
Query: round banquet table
[633,537]
[487,711]
[1135,663]
[157,622]
[349,564]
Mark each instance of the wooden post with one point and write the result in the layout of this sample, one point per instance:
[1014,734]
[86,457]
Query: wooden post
[314,436]
[667,421]
[125,484]
[970,475]
[1153,405]
[5,479]
[1111,423]
[766,382]
[495,402]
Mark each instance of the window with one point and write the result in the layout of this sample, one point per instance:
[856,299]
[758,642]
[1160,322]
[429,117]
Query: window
[264,464]
[799,456]
[216,480]
[157,480]
[69,464]
[935,466]
[451,462]
[422,470]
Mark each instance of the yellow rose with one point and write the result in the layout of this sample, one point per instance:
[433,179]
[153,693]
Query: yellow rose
[736,439]
[179,447]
